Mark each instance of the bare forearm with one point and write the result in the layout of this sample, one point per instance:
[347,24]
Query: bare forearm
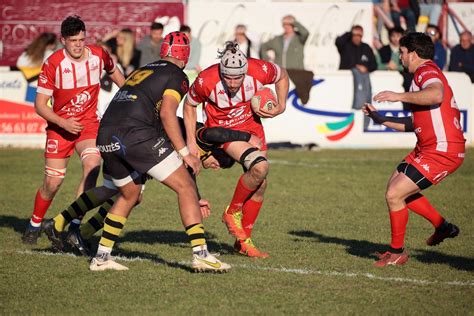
[171,126]
[281,88]
[117,77]
[47,113]
[190,117]
[428,96]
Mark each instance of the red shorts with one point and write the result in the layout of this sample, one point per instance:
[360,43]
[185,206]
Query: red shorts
[61,144]
[253,128]
[435,165]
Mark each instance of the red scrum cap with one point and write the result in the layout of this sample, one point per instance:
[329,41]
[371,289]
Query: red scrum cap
[176,44]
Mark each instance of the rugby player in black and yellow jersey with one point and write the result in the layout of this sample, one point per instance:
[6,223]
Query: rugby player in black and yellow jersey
[139,132]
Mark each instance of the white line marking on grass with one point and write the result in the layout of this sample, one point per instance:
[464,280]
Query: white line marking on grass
[282,270]
[291,163]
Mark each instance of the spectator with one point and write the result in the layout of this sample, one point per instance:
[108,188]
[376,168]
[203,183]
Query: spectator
[409,9]
[150,44]
[382,12]
[359,58]
[388,57]
[440,52]
[195,55]
[462,55]
[36,53]
[246,45]
[431,9]
[123,45]
[288,47]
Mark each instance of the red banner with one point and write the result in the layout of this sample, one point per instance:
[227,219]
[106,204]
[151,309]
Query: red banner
[18,118]
[22,20]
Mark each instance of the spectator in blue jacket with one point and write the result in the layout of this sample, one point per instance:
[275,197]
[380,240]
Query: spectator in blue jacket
[440,52]
[462,55]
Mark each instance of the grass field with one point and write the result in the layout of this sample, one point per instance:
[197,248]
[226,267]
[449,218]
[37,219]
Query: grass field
[323,216]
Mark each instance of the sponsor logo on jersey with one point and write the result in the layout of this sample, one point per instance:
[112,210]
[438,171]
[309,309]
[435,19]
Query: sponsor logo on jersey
[67,71]
[123,96]
[221,92]
[109,148]
[364,58]
[248,87]
[94,66]
[200,81]
[426,167]
[52,146]
[236,112]
[265,68]
[440,176]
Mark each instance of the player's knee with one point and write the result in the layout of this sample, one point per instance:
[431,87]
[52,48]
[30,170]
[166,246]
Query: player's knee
[260,170]
[392,195]
[51,186]
[91,153]
[254,159]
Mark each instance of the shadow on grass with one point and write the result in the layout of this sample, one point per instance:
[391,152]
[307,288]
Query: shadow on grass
[359,248]
[365,249]
[174,238]
[150,257]
[18,224]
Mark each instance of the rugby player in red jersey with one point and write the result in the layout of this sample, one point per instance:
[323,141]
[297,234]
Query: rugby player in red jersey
[70,79]
[439,150]
[225,89]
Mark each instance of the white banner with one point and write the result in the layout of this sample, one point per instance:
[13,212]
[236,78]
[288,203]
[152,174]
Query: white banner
[328,120]
[214,22]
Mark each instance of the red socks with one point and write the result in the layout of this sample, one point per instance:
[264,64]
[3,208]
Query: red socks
[398,223]
[241,194]
[419,204]
[250,211]
[40,208]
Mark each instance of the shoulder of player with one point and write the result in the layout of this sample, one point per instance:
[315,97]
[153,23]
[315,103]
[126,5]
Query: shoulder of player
[427,70]
[55,58]
[209,77]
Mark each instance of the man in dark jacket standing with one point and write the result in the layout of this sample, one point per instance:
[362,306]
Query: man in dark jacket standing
[462,55]
[360,59]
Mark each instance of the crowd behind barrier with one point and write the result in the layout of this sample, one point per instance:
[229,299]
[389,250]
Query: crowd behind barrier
[332,117]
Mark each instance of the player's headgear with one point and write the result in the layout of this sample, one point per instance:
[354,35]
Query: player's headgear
[233,60]
[176,44]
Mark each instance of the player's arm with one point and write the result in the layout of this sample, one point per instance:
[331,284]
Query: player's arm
[402,124]
[117,77]
[170,123]
[281,88]
[190,119]
[42,109]
[432,94]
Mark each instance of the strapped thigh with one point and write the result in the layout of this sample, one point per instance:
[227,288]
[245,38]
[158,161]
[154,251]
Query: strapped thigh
[416,176]
[91,151]
[54,172]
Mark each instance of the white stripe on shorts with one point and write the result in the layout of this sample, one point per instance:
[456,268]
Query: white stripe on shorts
[166,167]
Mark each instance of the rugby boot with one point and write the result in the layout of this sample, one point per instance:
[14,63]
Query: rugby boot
[105,262]
[31,235]
[53,235]
[247,248]
[233,221]
[75,239]
[203,261]
[441,233]
[391,259]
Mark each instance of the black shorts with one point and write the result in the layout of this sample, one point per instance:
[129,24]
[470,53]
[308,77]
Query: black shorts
[127,150]
[416,176]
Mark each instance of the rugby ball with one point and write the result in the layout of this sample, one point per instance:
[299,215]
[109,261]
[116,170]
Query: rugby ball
[263,99]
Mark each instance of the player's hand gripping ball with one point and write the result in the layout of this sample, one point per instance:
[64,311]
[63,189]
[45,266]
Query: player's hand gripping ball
[263,100]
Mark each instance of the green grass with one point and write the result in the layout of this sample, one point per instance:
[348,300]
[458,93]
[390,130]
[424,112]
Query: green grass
[323,216]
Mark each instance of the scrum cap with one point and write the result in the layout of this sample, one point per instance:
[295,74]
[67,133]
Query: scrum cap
[233,60]
[176,44]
